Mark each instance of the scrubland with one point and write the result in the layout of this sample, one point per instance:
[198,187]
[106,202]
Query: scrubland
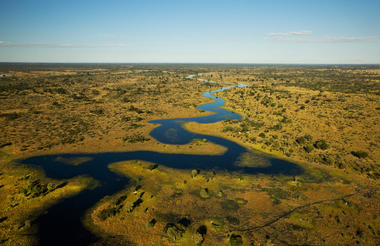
[325,118]
[328,115]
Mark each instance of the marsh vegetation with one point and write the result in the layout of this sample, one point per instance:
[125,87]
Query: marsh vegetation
[324,118]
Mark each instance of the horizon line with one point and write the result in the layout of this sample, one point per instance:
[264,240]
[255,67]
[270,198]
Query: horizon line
[190,63]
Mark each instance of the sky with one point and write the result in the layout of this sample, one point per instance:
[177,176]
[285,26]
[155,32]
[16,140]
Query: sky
[191,31]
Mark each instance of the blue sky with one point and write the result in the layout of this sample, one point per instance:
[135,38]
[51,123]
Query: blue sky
[190,31]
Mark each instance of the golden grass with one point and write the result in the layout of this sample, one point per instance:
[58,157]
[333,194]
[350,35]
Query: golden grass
[95,113]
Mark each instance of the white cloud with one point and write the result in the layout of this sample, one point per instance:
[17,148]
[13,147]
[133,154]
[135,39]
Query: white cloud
[285,34]
[281,34]
[304,32]
[325,39]
[60,45]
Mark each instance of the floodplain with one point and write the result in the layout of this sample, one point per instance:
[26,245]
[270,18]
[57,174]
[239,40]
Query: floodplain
[300,166]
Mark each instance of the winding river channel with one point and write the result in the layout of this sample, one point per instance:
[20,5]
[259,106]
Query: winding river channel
[62,223]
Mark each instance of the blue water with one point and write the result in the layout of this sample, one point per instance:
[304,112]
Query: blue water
[171,131]
[62,224]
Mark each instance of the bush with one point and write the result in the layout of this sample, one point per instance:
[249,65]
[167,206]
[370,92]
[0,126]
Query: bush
[173,232]
[61,91]
[137,110]
[35,189]
[301,140]
[204,193]
[304,139]
[125,118]
[359,154]
[97,111]
[120,200]
[126,100]
[308,148]
[277,193]
[321,144]
[10,116]
[286,120]
[108,212]
[228,129]
[152,222]
[308,137]
[276,127]
[244,127]
[326,160]
[266,101]
[255,124]
[50,186]
[135,138]
[236,240]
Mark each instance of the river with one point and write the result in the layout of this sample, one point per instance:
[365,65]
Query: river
[62,223]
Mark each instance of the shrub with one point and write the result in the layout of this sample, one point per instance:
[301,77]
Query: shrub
[255,124]
[108,212]
[321,144]
[126,100]
[137,110]
[301,140]
[308,137]
[308,148]
[276,127]
[173,232]
[35,189]
[236,240]
[152,222]
[326,159]
[266,100]
[152,166]
[134,126]
[97,111]
[204,193]
[61,90]
[304,139]
[244,127]
[50,186]
[286,120]
[125,118]
[135,138]
[120,200]
[277,193]
[228,129]
[10,116]
[359,154]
